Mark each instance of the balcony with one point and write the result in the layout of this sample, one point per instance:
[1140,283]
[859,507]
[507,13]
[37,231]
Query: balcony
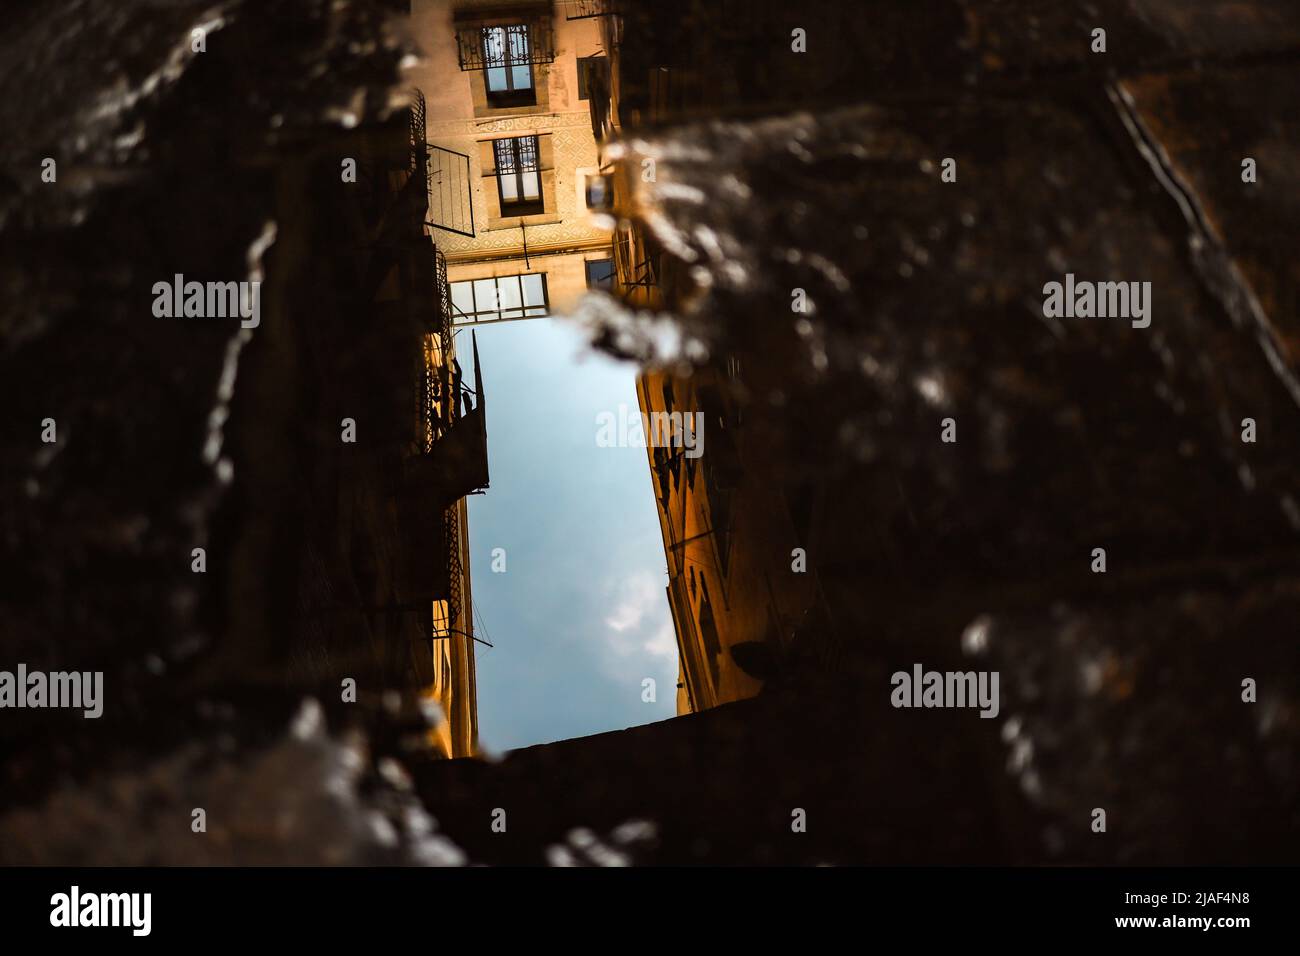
[453,443]
[505,38]
[586,9]
[452,463]
[416,131]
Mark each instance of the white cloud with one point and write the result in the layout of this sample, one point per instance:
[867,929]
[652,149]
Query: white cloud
[640,626]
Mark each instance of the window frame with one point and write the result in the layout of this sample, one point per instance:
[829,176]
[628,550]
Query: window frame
[460,317]
[517,168]
[511,95]
[587,65]
[608,284]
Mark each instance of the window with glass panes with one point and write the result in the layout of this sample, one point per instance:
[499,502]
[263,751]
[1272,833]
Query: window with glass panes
[507,69]
[500,299]
[519,182]
[600,273]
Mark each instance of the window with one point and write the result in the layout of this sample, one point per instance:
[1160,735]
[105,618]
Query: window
[600,273]
[441,620]
[592,71]
[504,42]
[519,181]
[660,457]
[709,631]
[719,499]
[500,299]
[598,193]
[507,65]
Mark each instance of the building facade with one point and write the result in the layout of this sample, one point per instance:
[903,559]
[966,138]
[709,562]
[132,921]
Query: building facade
[512,206]
[740,520]
[385,592]
[515,193]
[522,96]
[738,529]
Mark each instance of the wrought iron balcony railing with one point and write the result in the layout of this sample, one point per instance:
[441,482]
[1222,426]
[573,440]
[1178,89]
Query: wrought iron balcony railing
[451,411]
[443,289]
[455,574]
[636,266]
[438,406]
[417,131]
[455,426]
[503,45]
[586,9]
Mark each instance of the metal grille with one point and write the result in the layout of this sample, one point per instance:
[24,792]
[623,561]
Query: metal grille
[451,207]
[481,46]
[438,408]
[505,46]
[635,266]
[585,9]
[505,156]
[435,406]
[443,289]
[518,182]
[417,134]
[515,155]
[451,544]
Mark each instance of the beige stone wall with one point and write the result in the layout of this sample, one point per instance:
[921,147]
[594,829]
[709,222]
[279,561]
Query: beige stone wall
[744,576]
[566,275]
[559,239]
[453,682]
[458,119]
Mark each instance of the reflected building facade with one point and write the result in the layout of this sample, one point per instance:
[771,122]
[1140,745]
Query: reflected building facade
[385,593]
[511,191]
[740,520]
[514,184]
[737,532]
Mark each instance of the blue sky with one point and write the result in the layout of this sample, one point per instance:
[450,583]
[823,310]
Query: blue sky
[579,617]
